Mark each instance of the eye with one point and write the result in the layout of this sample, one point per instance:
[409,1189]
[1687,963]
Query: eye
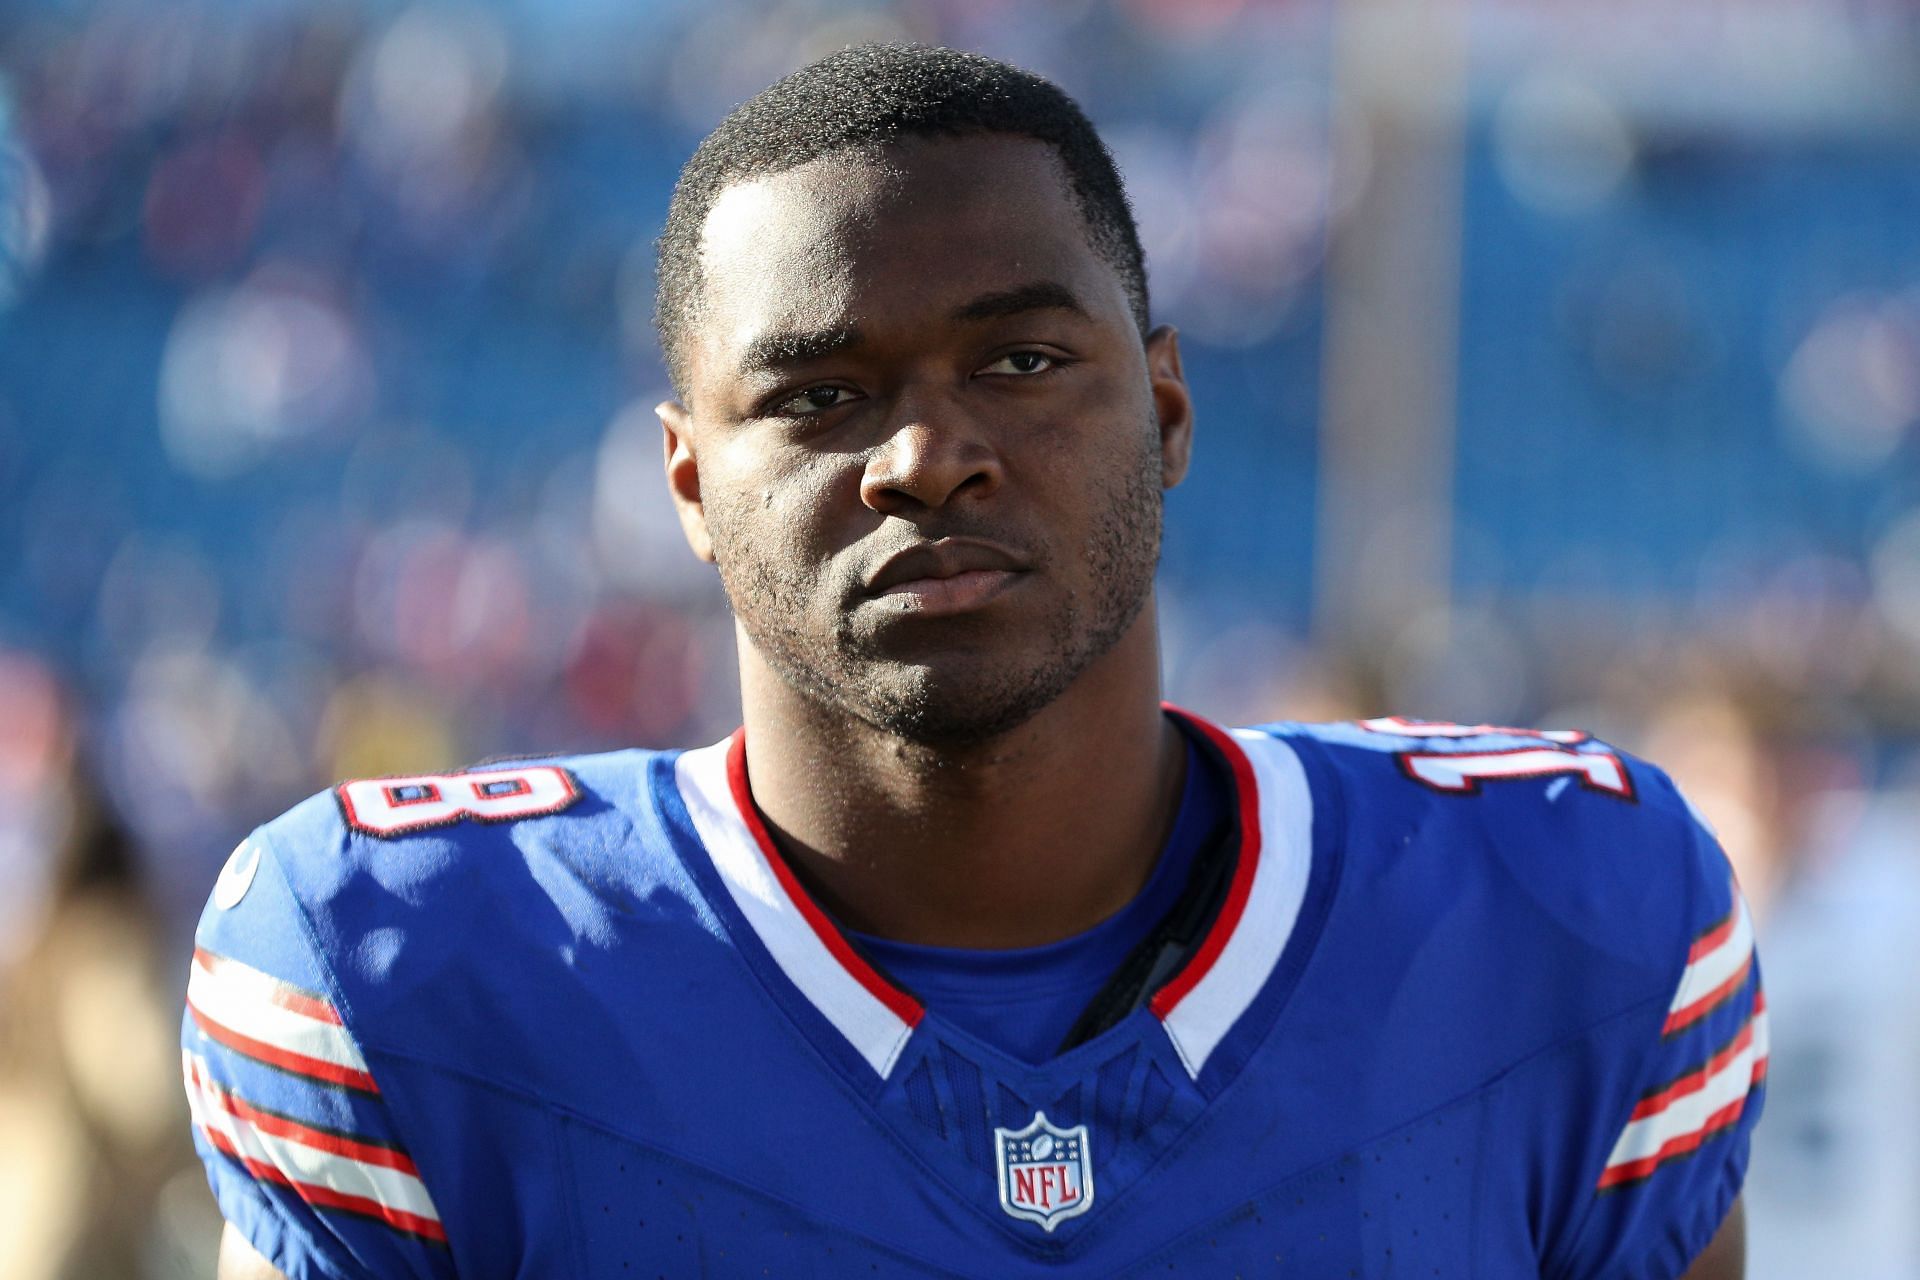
[811,400]
[1023,364]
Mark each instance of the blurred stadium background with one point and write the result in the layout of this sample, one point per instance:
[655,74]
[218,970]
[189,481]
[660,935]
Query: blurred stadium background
[1555,363]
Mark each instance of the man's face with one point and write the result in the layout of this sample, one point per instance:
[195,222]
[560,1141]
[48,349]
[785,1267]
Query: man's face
[926,446]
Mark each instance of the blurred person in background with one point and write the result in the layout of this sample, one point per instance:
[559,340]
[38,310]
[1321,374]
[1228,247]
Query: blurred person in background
[1837,1168]
[85,1022]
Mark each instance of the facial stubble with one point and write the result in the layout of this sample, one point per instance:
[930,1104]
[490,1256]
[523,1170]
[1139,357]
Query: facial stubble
[797,610]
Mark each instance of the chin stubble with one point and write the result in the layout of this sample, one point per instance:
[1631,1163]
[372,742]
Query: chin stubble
[834,666]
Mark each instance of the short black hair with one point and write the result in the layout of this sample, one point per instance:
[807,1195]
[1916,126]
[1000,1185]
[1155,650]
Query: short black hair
[868,96]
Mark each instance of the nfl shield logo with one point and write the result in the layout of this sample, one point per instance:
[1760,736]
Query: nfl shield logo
[1046,1173]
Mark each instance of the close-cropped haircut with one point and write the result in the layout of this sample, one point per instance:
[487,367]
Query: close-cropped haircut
[870,96]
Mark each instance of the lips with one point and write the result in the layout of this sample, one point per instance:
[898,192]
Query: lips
[946,576]
[947,558]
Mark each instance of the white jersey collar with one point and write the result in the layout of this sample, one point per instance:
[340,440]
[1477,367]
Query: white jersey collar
[1197,1007]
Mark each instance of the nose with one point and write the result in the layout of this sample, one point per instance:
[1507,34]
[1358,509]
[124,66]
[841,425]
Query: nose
[930,459]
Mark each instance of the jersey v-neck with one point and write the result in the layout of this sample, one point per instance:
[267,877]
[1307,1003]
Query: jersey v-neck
[1024,1001]
[1203,975]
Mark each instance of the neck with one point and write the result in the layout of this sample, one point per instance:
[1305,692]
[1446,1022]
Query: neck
[1017,841]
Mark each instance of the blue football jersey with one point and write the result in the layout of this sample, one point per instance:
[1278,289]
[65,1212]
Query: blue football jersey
[1469,1002]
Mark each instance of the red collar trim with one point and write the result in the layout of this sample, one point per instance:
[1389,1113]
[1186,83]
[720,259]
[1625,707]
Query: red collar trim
[909,1009]
[901,1004]
[1247,796]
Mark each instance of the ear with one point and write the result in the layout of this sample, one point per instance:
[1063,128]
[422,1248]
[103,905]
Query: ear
[683,476]
[1172,405]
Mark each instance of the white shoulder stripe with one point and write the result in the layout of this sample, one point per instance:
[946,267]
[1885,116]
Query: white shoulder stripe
[1719,962]
[1680,1118]
[256,1014]
[876,1032]
[328,1170]
[1202,1019]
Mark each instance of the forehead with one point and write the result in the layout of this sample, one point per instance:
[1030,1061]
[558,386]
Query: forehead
[865,238]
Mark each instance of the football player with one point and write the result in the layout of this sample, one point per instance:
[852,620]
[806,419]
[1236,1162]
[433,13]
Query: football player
[966,956]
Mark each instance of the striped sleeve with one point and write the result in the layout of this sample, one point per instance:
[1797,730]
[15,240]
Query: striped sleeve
[1676,1145]
[303,1152]
[1676,1118]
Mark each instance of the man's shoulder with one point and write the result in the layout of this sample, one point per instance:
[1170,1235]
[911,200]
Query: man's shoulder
[1541,920]
[511,866]
[397,960]
[1559,803]
[1516,853]
[418,830]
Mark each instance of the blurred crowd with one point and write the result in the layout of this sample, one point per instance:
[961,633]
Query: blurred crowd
[326,449]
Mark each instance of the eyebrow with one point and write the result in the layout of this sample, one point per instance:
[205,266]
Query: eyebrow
[780,350]
[1040,295]
[776,350]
